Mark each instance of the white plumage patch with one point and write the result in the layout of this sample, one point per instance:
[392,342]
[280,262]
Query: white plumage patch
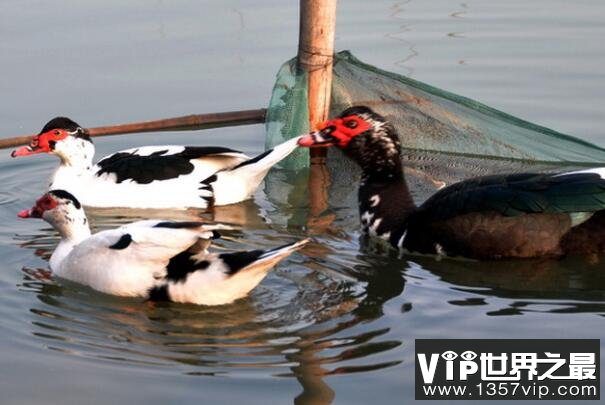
[439,250]
[373,229]
[400,242]
[148,150]
[374,200]
[239,184]
[366,217]
[578,218]
[597,170]
[385,235]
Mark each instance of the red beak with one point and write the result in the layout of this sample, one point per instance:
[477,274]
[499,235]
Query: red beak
[26,151]
[34,212]
[24,214]
[314,140]
[306,141]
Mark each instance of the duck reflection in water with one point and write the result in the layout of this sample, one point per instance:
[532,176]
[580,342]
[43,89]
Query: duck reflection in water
[569,285]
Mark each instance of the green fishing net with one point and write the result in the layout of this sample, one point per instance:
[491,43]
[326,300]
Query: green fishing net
[428,119]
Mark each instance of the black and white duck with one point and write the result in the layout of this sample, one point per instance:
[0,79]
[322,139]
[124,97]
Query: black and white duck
[166,176]
[154,259]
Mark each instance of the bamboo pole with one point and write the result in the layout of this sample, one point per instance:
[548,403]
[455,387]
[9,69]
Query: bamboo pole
[184,123]
[316,56]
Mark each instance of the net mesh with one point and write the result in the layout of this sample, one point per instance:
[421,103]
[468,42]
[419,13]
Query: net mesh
[427,118]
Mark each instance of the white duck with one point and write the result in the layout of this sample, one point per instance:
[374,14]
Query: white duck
[166,176]
[156,260]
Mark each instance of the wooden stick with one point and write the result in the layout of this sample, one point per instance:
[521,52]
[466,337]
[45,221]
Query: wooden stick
[316,55]
[185,123]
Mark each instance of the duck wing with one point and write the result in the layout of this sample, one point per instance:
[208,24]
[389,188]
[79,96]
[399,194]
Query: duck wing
[216,279]
[130,260]
[517,194]
[150,163]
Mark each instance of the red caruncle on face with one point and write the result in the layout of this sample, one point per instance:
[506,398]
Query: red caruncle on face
[44,140]
[44,203]
[344,129]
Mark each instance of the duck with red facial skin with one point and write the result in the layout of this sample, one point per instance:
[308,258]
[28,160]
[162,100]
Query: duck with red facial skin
[158,260]
[522,215]
[167,176]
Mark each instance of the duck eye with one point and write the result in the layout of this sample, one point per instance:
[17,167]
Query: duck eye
[57,133]
[351,124]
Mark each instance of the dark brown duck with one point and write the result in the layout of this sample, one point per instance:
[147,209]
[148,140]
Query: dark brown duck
[502,216]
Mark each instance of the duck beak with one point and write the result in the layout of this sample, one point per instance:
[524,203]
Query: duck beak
[26,151]
[315,140]
[25,214]
[34,212]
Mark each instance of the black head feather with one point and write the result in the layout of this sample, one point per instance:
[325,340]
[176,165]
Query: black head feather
[67,196]
[362,110]
[60,123]
[67,124]
[378,149]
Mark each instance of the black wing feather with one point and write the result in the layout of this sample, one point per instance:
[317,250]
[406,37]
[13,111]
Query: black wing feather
[156,166]
[238,260]
[518,194]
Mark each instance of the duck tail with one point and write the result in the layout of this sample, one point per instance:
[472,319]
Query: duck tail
[284,250]
[259,165]
[257,260]
[240,182]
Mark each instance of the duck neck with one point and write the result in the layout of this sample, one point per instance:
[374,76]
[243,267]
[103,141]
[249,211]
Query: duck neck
[76,163]
[384,197]
[75,153]
[77,232]
[385,202]
[73,230]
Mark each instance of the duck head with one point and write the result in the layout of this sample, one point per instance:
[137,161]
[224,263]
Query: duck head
[63,211]
[364,136]
[62,137]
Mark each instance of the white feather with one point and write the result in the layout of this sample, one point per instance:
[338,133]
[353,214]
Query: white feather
[131,271]
[597,170]
[240,183]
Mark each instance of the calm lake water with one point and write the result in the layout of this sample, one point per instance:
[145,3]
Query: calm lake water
[336,322]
